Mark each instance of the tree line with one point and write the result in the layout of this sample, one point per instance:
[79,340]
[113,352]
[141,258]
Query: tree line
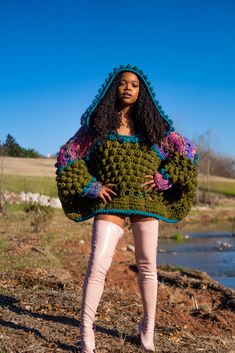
[11,148]
[213,163]
[210,162]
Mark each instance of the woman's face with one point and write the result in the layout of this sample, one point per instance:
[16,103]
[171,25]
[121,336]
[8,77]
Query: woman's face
[128,88]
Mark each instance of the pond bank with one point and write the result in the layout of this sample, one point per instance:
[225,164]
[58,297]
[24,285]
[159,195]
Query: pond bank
[212,252]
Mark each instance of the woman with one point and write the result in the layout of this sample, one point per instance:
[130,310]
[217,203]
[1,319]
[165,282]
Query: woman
[125,160]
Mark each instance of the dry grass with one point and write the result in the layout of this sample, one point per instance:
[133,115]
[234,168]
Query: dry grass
[29,166]
[214,178]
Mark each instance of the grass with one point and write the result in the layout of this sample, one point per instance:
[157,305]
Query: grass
[21,248]
[178,236]
[31,260]
[3,244]
[222,187]
[14,207]
[35,184]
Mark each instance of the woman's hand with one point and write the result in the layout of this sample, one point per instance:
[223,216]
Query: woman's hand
[150,184]
[105,192]
[157,182]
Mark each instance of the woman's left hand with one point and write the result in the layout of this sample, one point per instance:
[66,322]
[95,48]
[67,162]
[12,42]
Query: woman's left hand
[150,184]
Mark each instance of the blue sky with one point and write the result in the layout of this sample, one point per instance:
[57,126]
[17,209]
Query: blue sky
[56,54]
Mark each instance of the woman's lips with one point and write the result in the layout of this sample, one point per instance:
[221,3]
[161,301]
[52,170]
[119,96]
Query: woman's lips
[126,95]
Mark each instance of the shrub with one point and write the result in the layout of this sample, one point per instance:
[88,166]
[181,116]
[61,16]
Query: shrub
[178,236]
[40,215]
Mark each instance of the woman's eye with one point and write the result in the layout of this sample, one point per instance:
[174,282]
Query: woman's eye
[134,84]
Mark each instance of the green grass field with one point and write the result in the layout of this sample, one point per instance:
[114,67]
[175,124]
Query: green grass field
[226,187]
[43,185]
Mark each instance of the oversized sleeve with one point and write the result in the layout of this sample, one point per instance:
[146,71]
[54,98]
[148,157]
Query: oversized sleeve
[179,165]
[73,177]
[176,177]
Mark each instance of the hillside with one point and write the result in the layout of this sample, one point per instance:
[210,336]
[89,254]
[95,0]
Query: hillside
[29,166]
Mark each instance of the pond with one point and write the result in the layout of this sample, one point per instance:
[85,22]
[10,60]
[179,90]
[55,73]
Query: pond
[212,252]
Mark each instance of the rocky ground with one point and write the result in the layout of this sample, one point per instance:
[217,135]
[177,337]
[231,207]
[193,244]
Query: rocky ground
[41,289]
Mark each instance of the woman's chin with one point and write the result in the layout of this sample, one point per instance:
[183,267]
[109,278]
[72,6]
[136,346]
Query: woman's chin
[126,102]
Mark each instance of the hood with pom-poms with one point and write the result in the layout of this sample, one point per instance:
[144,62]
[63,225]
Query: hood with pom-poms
[85,119]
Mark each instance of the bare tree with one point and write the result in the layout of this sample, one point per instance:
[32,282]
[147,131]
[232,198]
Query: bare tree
[211,162]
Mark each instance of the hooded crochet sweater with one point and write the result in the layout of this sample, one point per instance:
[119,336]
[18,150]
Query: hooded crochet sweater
[84,164]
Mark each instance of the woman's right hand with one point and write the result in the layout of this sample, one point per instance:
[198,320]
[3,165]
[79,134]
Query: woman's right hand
[105,192]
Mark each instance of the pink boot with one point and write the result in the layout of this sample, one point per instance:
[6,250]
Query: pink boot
[146,240]
[146,337]
[105,236]
[87,339]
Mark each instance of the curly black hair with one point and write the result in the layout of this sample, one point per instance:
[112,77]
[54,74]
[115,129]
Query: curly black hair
[147,120]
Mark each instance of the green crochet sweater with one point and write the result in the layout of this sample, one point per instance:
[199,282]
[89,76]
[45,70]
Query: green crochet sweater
[125,161]
[84,164]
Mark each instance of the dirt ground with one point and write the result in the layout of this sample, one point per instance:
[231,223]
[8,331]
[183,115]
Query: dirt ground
[41,289]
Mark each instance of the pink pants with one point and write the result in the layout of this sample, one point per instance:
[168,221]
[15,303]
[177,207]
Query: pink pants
[105,236]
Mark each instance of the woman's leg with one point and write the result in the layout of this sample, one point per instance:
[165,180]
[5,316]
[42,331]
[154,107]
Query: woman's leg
[145,232]
[105,235]
[117,219]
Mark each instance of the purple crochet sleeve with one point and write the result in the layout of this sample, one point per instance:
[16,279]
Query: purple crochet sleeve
[75,148]
[74,151]
[174,142]
[92,189]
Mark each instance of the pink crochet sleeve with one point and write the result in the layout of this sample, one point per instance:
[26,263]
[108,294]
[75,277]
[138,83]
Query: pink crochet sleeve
[73,176]
[173,143]
[75,148]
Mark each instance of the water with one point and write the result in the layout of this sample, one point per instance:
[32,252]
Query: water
[212,252]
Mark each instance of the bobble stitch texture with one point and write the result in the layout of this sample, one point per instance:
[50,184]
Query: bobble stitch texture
[124,161]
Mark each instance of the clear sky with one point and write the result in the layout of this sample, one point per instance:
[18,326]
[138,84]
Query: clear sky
[55,54]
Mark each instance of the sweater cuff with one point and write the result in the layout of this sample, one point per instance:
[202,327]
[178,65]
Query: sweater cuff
[92,189]
[164,173]
[161,182]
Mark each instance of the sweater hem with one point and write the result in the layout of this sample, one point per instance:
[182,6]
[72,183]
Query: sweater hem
[125,212]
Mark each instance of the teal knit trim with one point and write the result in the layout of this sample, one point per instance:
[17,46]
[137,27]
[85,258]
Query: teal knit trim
[195,160]
[114,136]
[158,152]
[87,187]
[165,174]
[126,212]
[59,170]
[125,138]
[105,86]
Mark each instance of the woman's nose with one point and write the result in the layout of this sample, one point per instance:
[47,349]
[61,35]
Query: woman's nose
[128,86]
